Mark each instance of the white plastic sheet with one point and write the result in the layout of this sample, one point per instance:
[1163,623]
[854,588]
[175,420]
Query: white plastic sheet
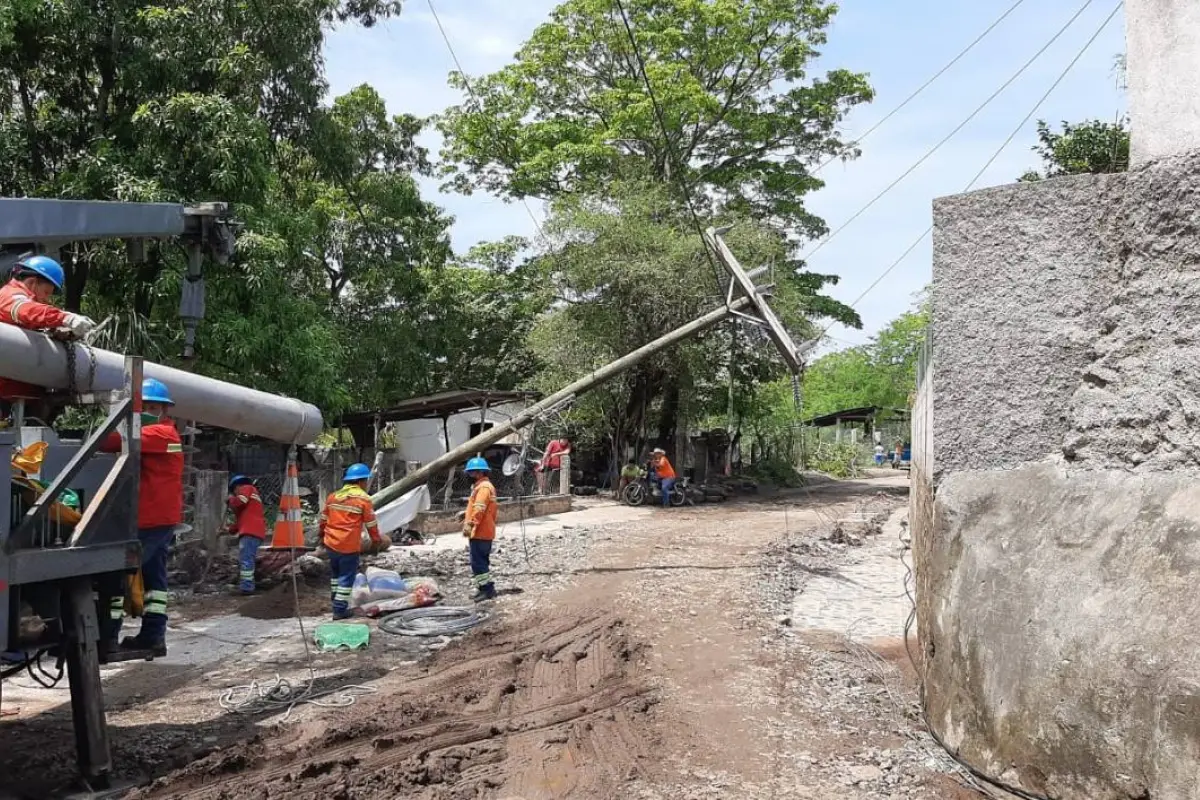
[398,513]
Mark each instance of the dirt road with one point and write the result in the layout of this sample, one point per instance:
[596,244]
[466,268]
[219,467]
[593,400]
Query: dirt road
[747,650]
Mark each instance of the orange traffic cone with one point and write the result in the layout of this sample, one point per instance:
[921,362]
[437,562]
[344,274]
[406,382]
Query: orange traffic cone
[289,528]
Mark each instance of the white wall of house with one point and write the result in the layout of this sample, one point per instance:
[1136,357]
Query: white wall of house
[422,440]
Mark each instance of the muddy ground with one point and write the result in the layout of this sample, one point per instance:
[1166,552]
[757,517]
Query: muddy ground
[751,650]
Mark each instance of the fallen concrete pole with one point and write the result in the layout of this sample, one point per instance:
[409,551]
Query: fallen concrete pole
[589,381]
[39,360]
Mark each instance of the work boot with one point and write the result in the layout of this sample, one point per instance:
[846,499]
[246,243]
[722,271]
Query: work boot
[137,647]
[338,616]
[483,595]
[105,649]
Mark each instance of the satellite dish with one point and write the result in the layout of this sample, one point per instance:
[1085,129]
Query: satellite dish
[511,465]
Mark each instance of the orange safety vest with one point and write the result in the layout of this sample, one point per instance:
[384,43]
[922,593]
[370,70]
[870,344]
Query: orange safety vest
[348,512]
[482,509]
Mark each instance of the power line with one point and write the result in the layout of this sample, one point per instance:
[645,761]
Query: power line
[474,97]
[928,154]
[673,162]
[962,54]
[1016,132]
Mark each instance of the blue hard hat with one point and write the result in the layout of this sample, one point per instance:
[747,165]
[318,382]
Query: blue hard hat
[155,391]
[357,472]
[43,266]
[236,479]
[478,464]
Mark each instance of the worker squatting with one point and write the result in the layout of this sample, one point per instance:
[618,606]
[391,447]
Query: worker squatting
[347,518]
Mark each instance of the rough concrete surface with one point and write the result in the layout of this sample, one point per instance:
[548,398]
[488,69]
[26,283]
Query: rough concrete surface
[1064,629]
[1163,54]
[1139,398]
[1058,558]
[1019,278]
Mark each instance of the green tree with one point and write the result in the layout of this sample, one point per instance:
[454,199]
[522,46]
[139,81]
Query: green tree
[1089,147]
[882,373]
[744,119]
[629,268]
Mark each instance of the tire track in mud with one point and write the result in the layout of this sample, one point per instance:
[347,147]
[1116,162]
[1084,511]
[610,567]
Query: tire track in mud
[545,708]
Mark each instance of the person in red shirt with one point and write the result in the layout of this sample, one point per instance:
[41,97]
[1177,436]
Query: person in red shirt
[24,302]
[348,513]
[160,509]
[551,461]
[249,525]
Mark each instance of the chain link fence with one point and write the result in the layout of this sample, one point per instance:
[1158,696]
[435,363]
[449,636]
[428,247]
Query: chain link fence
[209,514]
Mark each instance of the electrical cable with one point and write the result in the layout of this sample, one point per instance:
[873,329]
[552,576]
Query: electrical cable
[474,97]
[928,154]
[671,156]
[962,54]
[978,175]
[909,580]
[280,694]
[432,621]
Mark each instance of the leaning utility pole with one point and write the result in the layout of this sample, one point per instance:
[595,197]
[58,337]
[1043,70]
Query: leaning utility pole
[753,298]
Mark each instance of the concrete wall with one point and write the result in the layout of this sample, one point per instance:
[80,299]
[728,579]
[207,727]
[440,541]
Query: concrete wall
[436,523]
[1163,60]
[1057,572]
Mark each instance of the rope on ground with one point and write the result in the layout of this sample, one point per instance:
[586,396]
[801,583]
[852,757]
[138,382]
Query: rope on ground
[281,694]
[432,621]
[256,697]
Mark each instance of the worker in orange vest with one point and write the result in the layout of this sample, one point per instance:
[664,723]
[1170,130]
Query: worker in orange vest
[479,526]
[665,474]
[347,515]
[160,509]
[249,525]
[24,302]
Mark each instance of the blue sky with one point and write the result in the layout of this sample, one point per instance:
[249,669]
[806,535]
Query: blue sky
[899,44]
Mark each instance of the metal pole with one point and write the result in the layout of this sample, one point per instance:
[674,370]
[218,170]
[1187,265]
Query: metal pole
[590,381]
[35,358]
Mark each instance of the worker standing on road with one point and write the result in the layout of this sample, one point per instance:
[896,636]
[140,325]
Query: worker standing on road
[249,525]
[479,526]
[24,302]
[348,514]
[160,509]
[665,474]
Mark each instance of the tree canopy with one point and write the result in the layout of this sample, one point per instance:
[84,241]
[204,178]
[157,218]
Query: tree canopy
[734,114]
[637,123]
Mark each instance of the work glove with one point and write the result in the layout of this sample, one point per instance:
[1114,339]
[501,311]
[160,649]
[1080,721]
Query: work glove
[469,530]
[79,325]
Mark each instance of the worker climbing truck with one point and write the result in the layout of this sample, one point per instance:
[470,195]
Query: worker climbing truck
[68,515]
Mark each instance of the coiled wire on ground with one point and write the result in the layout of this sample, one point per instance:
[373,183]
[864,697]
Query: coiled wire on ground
[281,694]
[431,621]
